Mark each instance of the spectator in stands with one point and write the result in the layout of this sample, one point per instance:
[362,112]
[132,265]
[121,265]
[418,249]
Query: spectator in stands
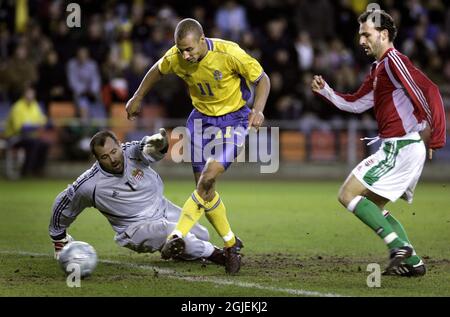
[250,44]
[117,34]
[156,44]
[305,51]
[134,73]
[52,80]
[38,44]
[114,83]
[20,72]
[24,125]
[95,42]
[5,39]
[231,19]
[419,47]
[63,41]
[84,81]
[315,17]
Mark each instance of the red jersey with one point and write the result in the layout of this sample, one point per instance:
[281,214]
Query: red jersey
[403,98]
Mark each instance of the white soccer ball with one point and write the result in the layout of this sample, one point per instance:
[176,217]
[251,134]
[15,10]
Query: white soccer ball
[78,253]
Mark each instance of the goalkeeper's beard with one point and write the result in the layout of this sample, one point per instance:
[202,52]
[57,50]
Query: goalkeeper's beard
[118,168]
[114,169]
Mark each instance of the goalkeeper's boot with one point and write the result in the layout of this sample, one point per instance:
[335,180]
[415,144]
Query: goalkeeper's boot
[233,258]
[397,256]
[173,248]
[408,270]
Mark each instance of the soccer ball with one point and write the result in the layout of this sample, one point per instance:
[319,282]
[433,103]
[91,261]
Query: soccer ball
[78,253]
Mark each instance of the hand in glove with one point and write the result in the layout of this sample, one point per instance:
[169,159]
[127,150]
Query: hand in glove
[155,145]
[59,244]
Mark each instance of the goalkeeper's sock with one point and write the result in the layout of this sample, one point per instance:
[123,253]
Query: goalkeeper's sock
[371,215]
[398,228]
[216,213]
[191,212]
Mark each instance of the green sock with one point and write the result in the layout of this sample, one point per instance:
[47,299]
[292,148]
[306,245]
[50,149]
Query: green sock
[398,228]
[371,215]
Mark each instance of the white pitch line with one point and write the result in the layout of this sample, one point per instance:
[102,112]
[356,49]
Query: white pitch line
[176,275]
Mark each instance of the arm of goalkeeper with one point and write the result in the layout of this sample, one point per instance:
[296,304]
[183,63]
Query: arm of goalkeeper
[155,146]
[58,244]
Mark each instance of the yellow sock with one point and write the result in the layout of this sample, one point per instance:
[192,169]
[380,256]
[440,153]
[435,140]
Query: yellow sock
[192,210]
[216,213]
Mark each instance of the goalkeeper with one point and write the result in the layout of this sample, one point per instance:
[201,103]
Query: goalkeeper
[129,193]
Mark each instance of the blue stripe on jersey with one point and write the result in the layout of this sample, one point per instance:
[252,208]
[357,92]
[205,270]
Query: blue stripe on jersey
[246,93]
[61,202]
[61,206]
[259,78]
[56,210]
[209,44]
[65,201]
[128,144]
[87,177]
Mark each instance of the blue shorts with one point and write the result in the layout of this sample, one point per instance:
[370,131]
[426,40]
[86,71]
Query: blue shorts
[220,138]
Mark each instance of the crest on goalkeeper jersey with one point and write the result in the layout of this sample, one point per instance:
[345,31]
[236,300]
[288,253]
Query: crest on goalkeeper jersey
[138,174]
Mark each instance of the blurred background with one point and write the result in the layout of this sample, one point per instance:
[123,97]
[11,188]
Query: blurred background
[62,84]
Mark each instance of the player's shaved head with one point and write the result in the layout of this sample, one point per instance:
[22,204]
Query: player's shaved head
[99,139]
[186,27]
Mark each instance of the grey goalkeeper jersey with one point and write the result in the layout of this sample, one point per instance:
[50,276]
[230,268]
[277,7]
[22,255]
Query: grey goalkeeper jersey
[123,199]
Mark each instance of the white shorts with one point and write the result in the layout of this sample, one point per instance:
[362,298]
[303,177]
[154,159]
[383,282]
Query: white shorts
[150,235]
[394,170]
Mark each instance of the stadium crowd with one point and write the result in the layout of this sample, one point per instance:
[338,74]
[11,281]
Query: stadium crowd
[104,60]
[108,55]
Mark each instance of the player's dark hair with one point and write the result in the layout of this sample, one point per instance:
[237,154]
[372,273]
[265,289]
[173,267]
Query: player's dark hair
[99,139]
[386,22]
[188,26]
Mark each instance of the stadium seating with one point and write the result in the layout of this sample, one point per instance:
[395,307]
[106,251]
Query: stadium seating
[119,123]
[323,146]
[361,151]
[61,110]
[292,144]
[14,158]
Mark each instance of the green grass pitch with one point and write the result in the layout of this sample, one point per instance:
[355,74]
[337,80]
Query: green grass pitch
[298,242]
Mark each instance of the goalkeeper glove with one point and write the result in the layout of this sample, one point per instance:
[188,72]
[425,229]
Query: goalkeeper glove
[155,145]
[59,244]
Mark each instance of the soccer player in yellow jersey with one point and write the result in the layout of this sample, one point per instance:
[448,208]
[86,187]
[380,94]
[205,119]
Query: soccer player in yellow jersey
[218,74]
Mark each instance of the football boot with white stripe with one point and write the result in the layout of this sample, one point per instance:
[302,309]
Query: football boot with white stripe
[408,270]
[397,256]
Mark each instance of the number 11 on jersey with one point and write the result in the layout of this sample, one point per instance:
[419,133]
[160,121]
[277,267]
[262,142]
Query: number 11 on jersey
[203,91]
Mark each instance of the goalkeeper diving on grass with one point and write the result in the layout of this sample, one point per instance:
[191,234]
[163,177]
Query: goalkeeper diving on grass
[129,193]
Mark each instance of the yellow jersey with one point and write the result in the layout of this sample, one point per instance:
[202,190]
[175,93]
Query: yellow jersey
[220,82]
[24,114]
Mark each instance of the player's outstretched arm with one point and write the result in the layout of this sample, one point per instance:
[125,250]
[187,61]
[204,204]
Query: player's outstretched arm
[133,106]
[357,102]
[318,83]
[262,90]
[67,206]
